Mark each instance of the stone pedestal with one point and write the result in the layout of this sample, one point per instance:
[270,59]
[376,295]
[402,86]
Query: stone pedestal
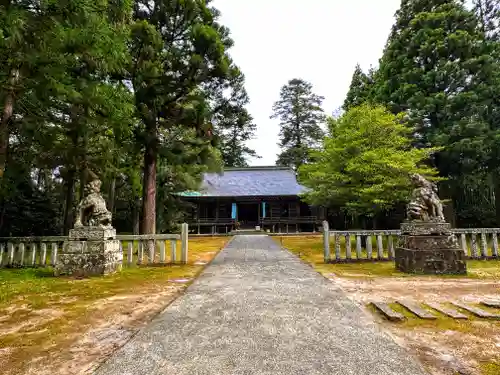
[90,251]
[429,248]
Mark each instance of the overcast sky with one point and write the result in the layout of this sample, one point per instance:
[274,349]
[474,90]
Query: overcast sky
[320,41]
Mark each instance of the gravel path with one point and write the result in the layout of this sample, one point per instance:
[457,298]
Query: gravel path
[258,310]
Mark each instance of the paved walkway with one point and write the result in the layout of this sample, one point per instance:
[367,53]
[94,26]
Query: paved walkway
[258,310]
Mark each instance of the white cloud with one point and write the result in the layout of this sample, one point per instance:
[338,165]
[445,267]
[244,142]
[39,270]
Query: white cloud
[320,41]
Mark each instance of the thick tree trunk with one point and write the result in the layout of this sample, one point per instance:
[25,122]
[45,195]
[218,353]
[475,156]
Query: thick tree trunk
[148,225]
[83,182]
[112,195]
[8,111]
[71,182]
[497,200]
[449,207]
[2,218]
[68,206]
[136,216]
[47,175]
[40,178]
[82,142]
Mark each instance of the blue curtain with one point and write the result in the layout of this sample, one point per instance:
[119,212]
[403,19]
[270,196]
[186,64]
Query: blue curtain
[233,211]
[263,209]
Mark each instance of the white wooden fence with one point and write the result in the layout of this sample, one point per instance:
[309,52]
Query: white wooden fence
[372,245]
[137,249]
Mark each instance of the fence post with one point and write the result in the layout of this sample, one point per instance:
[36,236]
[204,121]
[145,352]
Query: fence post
[162,251]
[494,239]
[173,251]
[10,247]
[53,255]
[184,243]
[326,241]
[43,254]
[130,252]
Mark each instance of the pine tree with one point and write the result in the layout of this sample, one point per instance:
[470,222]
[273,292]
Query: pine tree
[360,90]
[488,15]
[19,26]
[67,103]
[436,69]
[233,125]
[85,46]
[178,51]
[301,116]
[233,138]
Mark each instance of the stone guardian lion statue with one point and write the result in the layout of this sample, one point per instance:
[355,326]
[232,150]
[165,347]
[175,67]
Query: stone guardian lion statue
[425,204]
[92,211]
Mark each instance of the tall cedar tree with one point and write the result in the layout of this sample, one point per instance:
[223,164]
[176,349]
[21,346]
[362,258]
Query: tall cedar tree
[233,124]
[85,46]
[437,69]
[19,21]
[300,114]
[360,90]
[65,98]
[365,162]
[178,49]
[239,128]
[488,14]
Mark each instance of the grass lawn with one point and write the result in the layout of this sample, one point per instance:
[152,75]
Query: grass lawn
[41,316]
[310,249]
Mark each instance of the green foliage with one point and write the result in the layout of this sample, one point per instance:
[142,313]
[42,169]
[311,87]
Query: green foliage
[488,15]
[120,88]
[69,111]
[301,116]
[366,161]
[360,90]
[232,123]
[436,69]
[441,68]
[178,55]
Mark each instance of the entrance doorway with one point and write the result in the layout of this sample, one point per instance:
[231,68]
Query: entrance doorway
[248,215]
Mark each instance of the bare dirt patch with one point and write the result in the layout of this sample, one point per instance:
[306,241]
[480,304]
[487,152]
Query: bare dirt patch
[114,321]
[445,346]
[64,326]
[32,320]
[419,288]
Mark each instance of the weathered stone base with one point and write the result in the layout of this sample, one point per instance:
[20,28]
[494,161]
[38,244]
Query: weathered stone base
[427,242]
[431,262]
[90,252]
[418,228]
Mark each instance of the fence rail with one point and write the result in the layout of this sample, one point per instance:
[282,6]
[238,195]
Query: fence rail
[137,249]
[372,245]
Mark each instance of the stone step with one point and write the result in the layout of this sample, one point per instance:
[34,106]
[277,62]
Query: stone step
[491,304]
[477,311]
[417,310]
[388,312]
[246,232]
[446,311]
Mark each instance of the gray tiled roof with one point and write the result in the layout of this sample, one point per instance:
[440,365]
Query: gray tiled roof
[251,181]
